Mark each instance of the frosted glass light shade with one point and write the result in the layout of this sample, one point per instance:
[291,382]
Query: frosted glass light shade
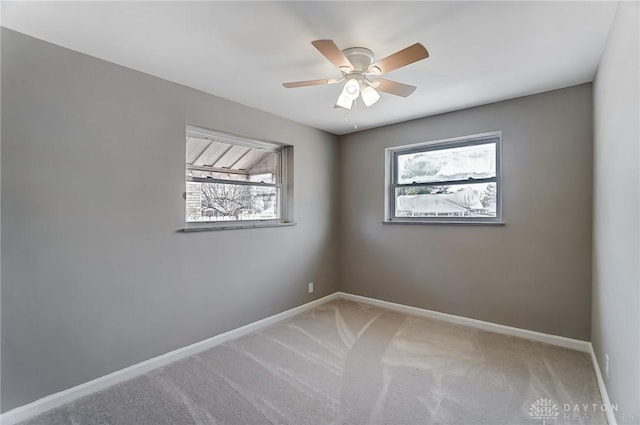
[351,89]
[344,102]
[369,96]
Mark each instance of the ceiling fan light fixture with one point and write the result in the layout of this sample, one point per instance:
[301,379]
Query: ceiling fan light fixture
[369,96]
[356,64]
[351,89]
[344,101]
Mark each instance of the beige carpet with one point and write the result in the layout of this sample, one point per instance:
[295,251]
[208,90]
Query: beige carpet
[349,363]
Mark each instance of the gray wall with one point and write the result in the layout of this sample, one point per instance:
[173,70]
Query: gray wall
[535,271]
[616,238]
[95,276]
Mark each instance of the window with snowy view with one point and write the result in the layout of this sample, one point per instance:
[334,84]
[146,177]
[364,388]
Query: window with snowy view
[455,180]
[230,179]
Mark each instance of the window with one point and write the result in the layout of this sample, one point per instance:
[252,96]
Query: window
[233,181]
[446,181]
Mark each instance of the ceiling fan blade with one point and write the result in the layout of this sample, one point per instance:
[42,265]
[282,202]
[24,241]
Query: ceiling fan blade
[307,83]
[399,59]
[330,51]
[393,87]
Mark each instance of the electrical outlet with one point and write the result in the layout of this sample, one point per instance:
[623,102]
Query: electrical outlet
[310,287]
[606,365]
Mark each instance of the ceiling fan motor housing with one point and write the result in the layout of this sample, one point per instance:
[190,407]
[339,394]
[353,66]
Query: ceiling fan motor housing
[360,57]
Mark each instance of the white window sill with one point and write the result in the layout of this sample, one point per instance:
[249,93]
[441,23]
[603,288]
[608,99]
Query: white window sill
[445,222]
[206,227]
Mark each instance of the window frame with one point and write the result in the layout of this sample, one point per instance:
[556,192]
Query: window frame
[284,181]
[391,184]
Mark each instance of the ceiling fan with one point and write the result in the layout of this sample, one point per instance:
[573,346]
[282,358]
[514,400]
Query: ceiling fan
[357,67]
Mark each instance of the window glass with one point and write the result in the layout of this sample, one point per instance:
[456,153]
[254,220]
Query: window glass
[454,180]
[207,202]
[454,200]
[459,163]
[231,179]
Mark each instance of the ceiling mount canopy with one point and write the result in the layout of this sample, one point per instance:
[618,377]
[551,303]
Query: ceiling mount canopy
[360,72]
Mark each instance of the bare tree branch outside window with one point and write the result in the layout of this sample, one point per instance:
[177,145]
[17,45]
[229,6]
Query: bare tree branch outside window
[228,200]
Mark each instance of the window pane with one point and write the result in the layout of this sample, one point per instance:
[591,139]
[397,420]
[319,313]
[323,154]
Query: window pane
[208,202]
[458,200]
[210,158]
[461,163]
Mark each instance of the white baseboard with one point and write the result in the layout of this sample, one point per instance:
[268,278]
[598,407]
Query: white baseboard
[55,400]
[611,417]
[574,344]
[52,401]
[561,341]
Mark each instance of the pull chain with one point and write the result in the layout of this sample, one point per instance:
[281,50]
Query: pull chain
[355,109]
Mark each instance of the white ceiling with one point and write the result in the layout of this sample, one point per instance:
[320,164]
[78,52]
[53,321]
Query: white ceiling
[481,52]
